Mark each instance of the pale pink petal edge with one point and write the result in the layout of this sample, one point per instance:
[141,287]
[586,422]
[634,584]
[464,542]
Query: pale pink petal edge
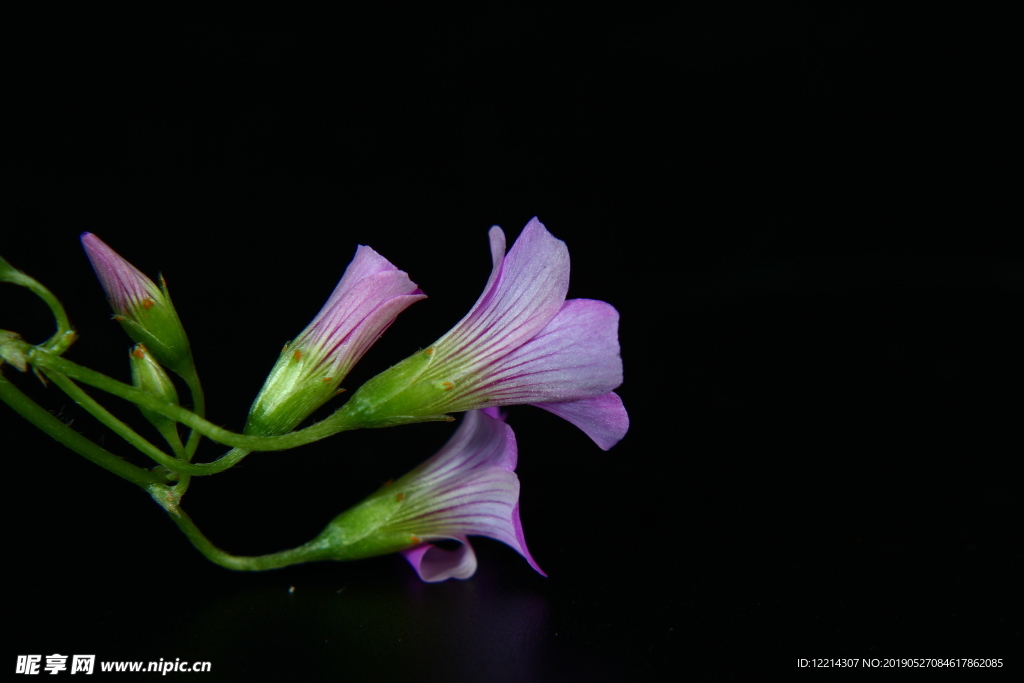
[602,418]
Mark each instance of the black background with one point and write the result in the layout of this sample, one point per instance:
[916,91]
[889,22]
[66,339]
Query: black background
[799,211]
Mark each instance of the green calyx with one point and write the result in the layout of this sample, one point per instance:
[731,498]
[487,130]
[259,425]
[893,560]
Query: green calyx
[154,323]
[363,530]
[402,394]
[298,384]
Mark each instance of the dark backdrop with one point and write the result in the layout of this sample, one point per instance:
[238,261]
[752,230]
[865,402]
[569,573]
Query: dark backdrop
[799,211]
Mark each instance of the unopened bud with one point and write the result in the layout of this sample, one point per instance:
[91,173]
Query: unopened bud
[151,378]
[144,310]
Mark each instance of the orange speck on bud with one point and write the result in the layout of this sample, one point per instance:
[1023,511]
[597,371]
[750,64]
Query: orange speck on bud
[326,379]
[119,318]
[414,539]
[297,355]
[340,391]
[428,351]
[400,497]
[448,418]
[139,351]
[148,303]
[447,386]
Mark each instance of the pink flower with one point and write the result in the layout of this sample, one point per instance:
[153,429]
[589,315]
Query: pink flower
[369,297]
[469,488]
[522,342]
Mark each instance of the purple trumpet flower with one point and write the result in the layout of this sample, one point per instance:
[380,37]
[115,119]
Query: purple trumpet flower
[469,488]
[522,342]
[369,297]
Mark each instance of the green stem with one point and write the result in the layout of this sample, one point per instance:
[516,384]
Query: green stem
[103,415]
[199,408]
[166,496]
[327,427]
[183,481]
[134,438]
[309,552]
[65,335]
[34,413]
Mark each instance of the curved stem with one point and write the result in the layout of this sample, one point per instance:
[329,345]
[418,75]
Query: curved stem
[65,335]
[309,552]
[34,413]
[103,415]
[166,496]
[327,427]
[199,408]
[134,438]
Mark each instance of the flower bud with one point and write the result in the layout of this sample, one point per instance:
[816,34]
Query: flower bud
[150,377]
[143,309]
[369,297]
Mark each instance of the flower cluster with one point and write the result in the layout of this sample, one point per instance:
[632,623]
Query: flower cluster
[521,343]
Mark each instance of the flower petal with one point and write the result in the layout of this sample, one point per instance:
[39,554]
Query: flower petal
[575,356]
[525,290]
[357,315]
[602,418]
[517,525]
[468,488]
[367,263]
[435,564]
[126,286]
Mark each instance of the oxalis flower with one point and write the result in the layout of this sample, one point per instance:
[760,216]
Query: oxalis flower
[522,342]
[371,294]
[469,488]
[143,309]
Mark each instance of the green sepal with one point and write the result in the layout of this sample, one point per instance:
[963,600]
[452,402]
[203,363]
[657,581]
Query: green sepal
[296,386]
[402,394]
[155,324]
[362,531]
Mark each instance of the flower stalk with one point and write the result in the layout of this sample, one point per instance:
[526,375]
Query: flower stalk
[53,427]
[42,359]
